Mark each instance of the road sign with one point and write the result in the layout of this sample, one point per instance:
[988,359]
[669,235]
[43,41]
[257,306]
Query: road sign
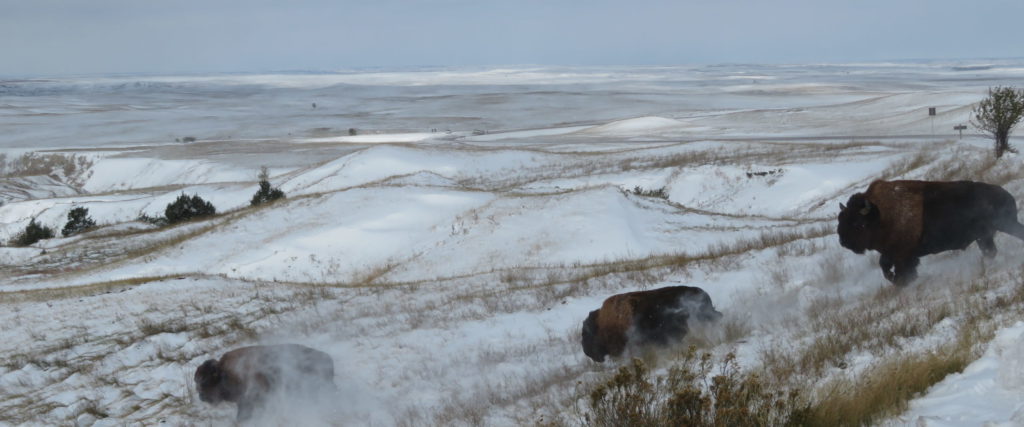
[931,111]
[960,128]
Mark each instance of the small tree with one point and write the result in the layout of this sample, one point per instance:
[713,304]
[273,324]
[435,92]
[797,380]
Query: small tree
[186,208]
[33,233]
[266,193]
[78,221]
[998,114]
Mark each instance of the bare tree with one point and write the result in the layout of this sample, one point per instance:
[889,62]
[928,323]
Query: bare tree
[998,114]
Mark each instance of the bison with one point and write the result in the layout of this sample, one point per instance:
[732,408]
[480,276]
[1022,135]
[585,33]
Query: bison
[905,220]
[655,316]
[248,375]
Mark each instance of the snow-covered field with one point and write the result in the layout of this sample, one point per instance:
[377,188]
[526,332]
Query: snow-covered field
[446,232]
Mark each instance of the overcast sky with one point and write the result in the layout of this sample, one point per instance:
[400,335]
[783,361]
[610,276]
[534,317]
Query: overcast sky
[49,37]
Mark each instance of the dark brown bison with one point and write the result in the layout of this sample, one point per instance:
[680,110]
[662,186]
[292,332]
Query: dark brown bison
[905,220]
[248,375]
[656,316]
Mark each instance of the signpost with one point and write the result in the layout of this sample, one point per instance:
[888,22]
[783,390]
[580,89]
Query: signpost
[960,128]
[931,113]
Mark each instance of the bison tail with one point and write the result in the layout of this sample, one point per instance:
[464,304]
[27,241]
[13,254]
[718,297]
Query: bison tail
[1014,229]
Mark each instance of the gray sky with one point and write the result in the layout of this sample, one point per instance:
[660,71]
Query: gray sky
[49,37]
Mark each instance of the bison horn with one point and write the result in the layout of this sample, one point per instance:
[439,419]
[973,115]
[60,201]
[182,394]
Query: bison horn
[842,207]
[866,209]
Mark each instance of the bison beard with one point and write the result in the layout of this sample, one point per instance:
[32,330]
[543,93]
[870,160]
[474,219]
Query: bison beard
[656,316]
[905,220]
[249,374]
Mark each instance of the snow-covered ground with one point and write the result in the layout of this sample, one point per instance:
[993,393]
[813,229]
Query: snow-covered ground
[446,253]
[987,393]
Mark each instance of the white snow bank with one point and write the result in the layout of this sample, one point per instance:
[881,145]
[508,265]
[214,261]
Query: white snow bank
[15,256]
[375,138]
[33,187]
[525,134]
[988,393]
[632,126]
[127,173]
[380,162]
[769,190]
[324,239]
[589,226]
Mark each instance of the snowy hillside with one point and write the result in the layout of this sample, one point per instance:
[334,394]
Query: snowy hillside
[446,249]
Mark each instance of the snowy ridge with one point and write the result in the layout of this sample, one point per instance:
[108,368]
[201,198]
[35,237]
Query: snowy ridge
[33,187]
[640,125]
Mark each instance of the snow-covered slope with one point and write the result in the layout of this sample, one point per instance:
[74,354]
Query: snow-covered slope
[988,392]
[447,273]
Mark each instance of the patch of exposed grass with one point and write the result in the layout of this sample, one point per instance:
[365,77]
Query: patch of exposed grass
[902,167]
[63,166]
[147,326]
[660,193]
[885,389]
[831,393]
[696,391]
[93,408]
[49,294]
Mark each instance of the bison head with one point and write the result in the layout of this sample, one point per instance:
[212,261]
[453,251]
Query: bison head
[213,383]
[701,307]
[592,346]
[857,221]
[708,314]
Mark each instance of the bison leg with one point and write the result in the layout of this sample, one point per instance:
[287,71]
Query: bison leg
[886,264]
[252,399]
[988,246]
[245,408]
[906,272]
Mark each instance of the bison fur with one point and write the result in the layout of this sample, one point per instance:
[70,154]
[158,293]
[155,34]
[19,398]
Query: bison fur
[657,316]
[248,375]
[905,220]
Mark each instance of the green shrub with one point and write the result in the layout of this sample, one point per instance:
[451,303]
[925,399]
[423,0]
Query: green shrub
[186,208]
[266,194]
[660,193]
[78,221]
[998,114]
[158,221]
[33,233]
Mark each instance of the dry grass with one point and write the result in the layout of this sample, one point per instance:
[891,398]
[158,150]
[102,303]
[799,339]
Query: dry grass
[49,294]
[89,357]
[885,389]
[904,166]
[833,392]
[59,166]
[884,324]
[696,391]
[148,326]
